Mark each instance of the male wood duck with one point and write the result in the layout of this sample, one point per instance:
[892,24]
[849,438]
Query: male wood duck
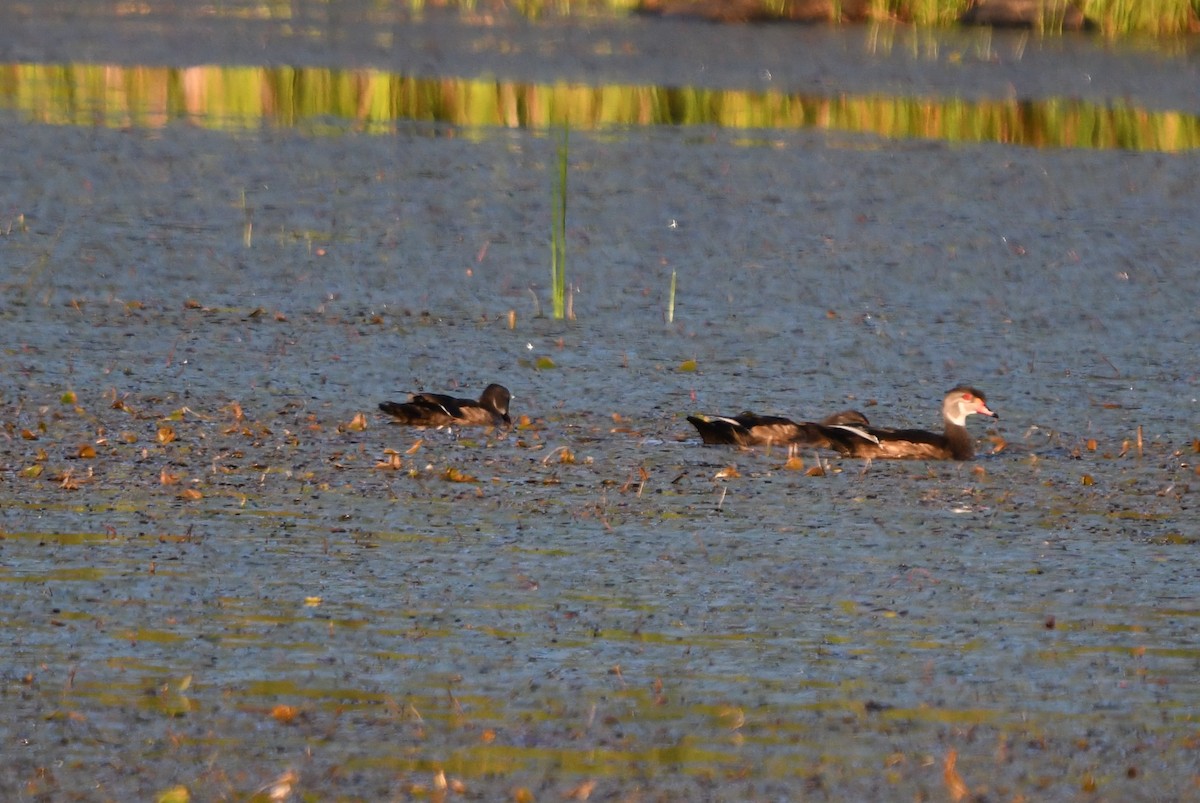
[437,410]
[953,443]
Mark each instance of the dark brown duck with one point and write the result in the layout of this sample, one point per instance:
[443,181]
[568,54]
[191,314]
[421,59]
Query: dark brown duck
[437,410]
[751,429]
[953,443]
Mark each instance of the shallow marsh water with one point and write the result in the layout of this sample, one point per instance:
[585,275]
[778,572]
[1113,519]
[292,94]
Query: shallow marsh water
[593,604]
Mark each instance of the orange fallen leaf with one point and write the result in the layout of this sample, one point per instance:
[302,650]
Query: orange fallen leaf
[87,451]
[165,434]
[727,473]
[454,475]
[190,495]
[29,436]
[581,792]
[794,463]
[955,786]
[357,424]
[815,471]
[416,447]
[167,478]
[285,714]
[391,460]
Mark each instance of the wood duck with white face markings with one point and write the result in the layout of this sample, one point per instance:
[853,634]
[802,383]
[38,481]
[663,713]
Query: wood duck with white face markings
[437,410]
[750,429]
[954,443]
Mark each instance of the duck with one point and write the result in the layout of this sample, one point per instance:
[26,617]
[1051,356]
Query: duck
[953,443]
[750,429]
[438,410]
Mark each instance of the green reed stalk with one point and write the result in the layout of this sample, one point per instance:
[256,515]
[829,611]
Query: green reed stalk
[671,300]
[558,233]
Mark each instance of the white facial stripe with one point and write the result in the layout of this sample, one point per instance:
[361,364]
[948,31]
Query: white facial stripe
[958,414]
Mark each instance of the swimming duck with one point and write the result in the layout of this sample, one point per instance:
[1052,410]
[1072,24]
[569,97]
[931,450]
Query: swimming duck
[437,410]
[751,429]
[954,443]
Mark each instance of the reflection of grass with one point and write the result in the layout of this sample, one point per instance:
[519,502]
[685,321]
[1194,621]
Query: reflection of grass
[1116,17]
[213,97]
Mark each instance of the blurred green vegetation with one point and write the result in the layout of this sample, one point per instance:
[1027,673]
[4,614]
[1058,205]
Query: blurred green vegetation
[322,100]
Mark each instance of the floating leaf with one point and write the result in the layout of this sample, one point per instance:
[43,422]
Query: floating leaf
[312,602]
[1087,480]
[285,714]
[165,434]
[815,471]
[29,436]
[1091,444]
[68,397]
[357,424]
[86,452]
[688,366]
[391,460]
[955,786]
[581,792]
[727,473]
[167,478]
[794,463]
[176,794]
[563,454]
[454,475]
[32,472]
[544,363]
[190,495]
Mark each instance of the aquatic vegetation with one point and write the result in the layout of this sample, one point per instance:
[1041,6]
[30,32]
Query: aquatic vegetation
[560,302]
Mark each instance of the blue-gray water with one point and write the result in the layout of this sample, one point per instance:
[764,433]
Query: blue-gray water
[596,605]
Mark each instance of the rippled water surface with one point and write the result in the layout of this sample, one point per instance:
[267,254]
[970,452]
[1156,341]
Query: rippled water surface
[221,570]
